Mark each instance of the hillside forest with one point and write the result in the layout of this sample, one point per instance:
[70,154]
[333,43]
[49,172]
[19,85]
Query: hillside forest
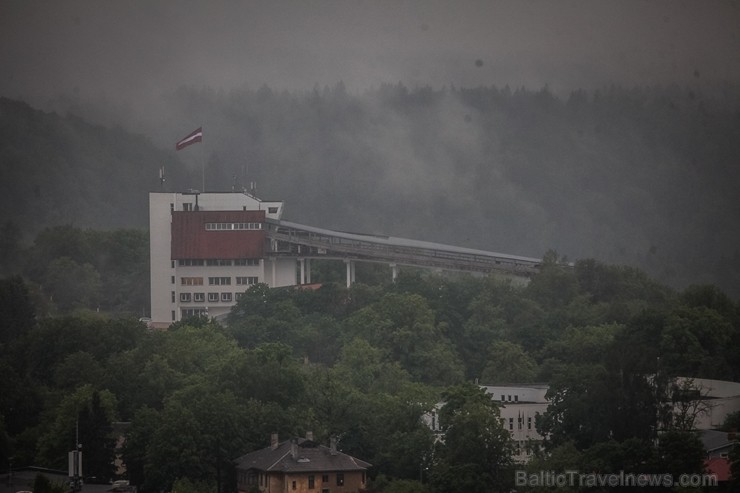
[362,364]
[641,176]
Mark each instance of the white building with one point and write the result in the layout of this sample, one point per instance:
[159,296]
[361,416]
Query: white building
[519,406]
[207,249]
[716,399]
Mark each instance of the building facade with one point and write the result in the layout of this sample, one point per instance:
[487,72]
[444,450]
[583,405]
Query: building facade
[300,466]
[206,250]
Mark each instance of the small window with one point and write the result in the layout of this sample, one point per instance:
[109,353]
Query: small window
[184,297]
[226,297]
[311,481]
[503,398]
[173,315]
[511,423]
[213,297]
[516,398]
[272,210]
[173,296]
[199,297]
[529,423]
[325,479]
[293,484]
[340,479]
[187,206]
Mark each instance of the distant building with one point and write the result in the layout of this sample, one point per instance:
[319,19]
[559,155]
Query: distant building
[519,405]
[718,399]
[206,250]
[302,466]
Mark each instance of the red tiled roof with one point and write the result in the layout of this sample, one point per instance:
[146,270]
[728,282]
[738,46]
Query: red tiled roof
[718,466]
[309,457]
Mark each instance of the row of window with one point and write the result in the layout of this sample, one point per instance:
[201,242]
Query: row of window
[218,281]
[212,297]
[519,424]
[252,478]
[232,226]
[503,398]
[213,262]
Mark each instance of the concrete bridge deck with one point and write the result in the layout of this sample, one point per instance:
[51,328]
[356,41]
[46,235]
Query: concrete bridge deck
[307,242]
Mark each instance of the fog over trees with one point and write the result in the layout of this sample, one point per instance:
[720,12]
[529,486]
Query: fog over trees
[645,177]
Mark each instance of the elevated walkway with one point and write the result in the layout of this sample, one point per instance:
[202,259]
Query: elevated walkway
[306,242]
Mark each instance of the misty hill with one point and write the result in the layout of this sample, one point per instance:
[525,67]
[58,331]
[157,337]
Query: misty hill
[63,170]
[645,177]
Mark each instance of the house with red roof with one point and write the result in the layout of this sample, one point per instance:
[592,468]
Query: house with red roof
[301,466]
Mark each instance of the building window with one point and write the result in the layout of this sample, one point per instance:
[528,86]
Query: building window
[340,479]
[272,210]
[516,398]
[529,423]
[246,280]
[173,296]
[311,482]
[233,226]
[187,262]
[184,297]
[213,297]
[172,279]
[173,315]
[293,485]
[246,261]
[199,297]
[191,281]
[226,297]
[219,281]
[509,398]
[324,478]
[193,312]
[187,206]
[172,264]
[519,423]
[511,423]
[503,398]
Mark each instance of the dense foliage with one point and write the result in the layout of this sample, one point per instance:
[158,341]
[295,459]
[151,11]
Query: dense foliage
[363,364]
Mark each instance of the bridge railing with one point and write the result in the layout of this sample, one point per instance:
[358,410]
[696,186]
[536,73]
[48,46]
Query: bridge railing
[308,243]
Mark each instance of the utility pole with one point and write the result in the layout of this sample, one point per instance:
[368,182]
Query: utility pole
[75,461]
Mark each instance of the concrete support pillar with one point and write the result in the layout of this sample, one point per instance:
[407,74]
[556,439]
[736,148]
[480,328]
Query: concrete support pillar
[302,261]
[350,272]
[394,272]
[274,272]
[308,271]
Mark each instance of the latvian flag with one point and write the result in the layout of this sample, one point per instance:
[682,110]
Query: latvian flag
[196,136]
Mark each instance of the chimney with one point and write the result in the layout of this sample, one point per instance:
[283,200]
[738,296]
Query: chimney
[273,441]
[333,446]
[293,449]
[309,436]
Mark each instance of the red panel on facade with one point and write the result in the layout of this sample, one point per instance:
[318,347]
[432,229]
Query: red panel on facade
[190,239]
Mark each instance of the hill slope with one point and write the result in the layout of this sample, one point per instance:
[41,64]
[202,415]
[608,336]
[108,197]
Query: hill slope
[644,177]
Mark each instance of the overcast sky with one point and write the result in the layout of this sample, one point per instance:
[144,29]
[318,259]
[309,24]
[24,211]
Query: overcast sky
[138,48]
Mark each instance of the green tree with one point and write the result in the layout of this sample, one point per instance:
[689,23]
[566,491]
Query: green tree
[17,311]
[476,453]
[508,363]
